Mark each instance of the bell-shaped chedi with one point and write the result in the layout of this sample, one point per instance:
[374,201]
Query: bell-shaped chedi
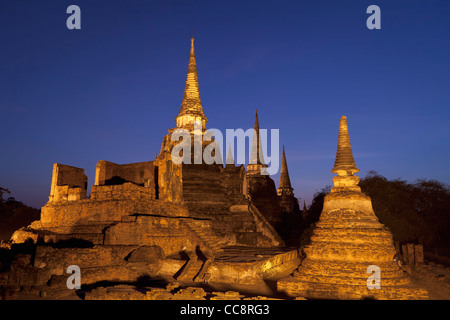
[347,243]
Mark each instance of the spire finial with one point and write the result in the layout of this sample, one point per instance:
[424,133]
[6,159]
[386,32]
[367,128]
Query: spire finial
[257,164]
[285,182]
[256,127]
[230,160]
[344,163]
[256,155]
[191,109]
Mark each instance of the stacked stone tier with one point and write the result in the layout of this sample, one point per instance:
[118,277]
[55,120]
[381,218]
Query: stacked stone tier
[348,273]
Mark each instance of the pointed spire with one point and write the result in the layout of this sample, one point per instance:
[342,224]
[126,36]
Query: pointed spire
[191,107]
[304,211]
[344,163]
[256,157]
[230,160]
[285,182]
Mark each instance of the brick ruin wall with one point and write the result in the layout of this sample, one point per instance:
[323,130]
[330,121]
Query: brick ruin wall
[140,173]
[68,183]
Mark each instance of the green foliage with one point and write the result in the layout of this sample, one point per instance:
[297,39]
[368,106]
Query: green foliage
[306,234]
[313,214]
[2,192]
[14,215]
[315,209]
[392,202]
[413,212]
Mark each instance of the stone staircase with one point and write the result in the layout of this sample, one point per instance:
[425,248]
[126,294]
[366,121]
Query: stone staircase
[206,235]
[269,231]
[3,278]
[207,195]
[192,272]
[203,190]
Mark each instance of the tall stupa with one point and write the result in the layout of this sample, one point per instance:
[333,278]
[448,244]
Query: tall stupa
[348,244]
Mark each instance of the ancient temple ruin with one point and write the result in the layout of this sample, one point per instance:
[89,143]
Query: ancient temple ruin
[348,244]
[157,219]
[203,225]
[288,202]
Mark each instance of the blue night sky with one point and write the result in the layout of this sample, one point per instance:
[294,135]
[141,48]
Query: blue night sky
[112,89]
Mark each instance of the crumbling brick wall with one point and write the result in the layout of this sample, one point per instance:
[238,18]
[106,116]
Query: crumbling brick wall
[110,173]
[68,183]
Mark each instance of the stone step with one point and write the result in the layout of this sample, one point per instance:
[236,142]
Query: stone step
[203,200]
[207,204]
[3,279]
[193,270]
[206,213]
[207,182]
[201,195]
[206,192]
[205,236]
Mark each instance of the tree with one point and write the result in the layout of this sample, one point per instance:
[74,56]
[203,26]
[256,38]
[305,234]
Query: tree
[393,202]
[314,211]
[2,192]
[14,215]
[414,212]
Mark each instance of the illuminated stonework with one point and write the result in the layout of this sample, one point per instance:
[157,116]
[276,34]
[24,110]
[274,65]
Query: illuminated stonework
[284,187]
[257,165]
[191,107]
[179,222]
[347,240]
[288,201]
[196,223]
